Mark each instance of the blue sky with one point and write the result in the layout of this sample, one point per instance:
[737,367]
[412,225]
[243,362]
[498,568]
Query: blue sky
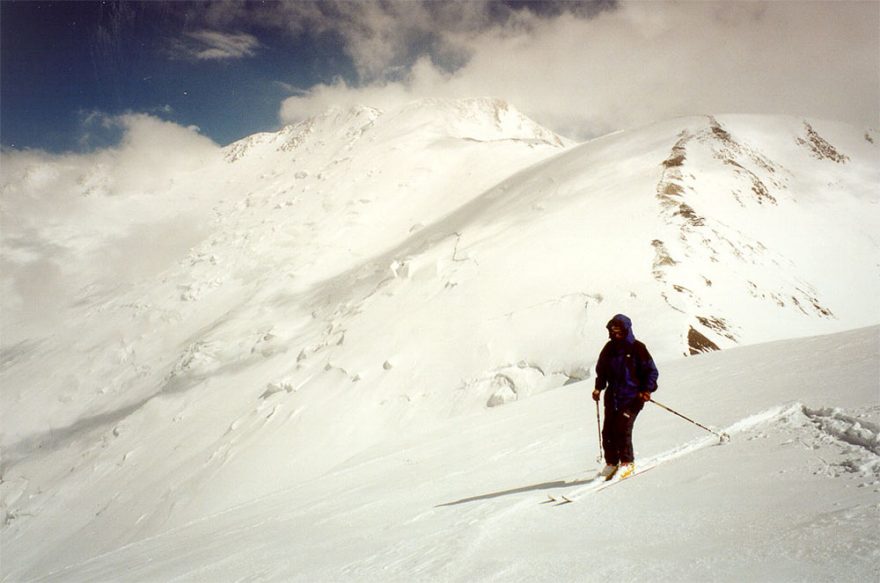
[65,65]
[70,69]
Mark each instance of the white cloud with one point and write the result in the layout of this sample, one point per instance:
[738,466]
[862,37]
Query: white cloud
[210,45]
[379,36]
[631,66]
[150,154]
[107,217]
[154,151]
[317,99]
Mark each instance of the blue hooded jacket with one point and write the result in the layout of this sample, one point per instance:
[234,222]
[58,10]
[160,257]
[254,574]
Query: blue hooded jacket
[625,368]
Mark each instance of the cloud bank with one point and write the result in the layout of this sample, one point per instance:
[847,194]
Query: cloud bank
[584,73]
[74,224]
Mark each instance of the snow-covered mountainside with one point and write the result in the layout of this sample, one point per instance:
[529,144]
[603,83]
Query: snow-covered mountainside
[283,309]
[792,497]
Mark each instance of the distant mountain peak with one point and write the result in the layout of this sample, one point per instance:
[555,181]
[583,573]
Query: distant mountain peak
[481,119]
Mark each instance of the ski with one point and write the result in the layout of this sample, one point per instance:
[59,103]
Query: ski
[596,485]
[562,499]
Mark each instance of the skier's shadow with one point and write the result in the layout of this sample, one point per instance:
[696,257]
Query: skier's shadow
[532,488]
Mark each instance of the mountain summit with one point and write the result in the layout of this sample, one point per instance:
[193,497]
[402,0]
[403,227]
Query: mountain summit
[339,129]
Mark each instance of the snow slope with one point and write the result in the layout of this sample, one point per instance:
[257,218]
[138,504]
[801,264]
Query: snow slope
[794,496]
[284,319]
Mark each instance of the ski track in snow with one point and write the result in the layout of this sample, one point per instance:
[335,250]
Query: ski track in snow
[856,438]
[854,434]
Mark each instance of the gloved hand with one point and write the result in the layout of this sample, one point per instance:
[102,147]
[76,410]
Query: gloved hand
[645,395]
[596,393]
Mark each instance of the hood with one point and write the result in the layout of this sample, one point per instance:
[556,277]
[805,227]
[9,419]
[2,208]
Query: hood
[627,325]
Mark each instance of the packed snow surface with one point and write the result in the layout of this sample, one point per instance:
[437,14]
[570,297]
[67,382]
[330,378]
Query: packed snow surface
[360,349]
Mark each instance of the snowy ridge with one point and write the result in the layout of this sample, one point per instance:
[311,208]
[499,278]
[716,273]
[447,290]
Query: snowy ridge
[340,127]
[722,245]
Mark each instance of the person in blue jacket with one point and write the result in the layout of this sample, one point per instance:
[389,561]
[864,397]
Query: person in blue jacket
[625,368]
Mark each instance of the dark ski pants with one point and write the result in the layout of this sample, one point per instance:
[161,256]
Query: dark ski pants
[617,434]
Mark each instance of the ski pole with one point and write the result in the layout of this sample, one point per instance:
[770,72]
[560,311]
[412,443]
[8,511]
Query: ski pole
[599,427]
[723,436]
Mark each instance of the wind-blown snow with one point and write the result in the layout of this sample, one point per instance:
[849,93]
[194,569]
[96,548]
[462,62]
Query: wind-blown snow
[328,379]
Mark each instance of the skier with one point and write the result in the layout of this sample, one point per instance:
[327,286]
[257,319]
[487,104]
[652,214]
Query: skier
[626,369]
